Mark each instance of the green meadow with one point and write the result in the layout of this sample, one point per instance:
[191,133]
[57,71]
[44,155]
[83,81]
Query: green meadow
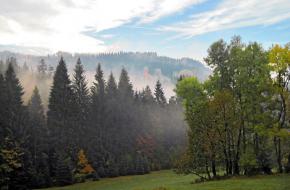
[168,180]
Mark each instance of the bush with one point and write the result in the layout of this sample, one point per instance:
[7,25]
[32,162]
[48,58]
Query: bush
[93,176]
[249,163]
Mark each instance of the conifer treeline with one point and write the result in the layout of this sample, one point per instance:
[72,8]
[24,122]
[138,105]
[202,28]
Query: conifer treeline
[103,131]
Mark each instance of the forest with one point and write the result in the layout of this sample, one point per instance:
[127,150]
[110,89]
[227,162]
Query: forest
[236,123]
[85,133]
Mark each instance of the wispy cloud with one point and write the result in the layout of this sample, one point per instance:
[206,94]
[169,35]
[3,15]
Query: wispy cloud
[231,14]
[166,7]
[62,24]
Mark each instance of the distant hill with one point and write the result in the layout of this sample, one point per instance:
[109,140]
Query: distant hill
[144,68]
[132,61]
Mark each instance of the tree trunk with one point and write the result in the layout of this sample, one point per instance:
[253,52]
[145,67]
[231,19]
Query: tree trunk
[213,168]
[236,167]
[277,142]
[207,170]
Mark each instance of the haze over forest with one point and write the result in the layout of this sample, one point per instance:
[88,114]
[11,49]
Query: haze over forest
[144,68]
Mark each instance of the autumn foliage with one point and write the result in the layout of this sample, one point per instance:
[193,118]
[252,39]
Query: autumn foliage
[83,166]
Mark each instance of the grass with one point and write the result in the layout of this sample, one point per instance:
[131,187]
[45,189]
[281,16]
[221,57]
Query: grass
[171,181]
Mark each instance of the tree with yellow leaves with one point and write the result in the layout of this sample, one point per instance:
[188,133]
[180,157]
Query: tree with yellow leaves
[279,58]
[83,166]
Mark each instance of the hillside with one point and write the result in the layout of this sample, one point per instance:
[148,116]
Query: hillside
[132,61]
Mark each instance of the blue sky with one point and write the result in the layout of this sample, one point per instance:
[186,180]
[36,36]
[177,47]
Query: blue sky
[175,28]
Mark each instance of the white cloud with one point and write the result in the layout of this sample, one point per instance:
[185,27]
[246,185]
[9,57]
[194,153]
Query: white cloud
[165,7]
[231,14]
[60,24]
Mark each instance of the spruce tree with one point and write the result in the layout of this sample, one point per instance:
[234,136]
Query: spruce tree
[147,95]
[15,114]
[125,87]
[81,92]
[111,87]
[97,130]
[37,125]
[159,94]
[63,171]
[38,141]
[127,117]
[98,88]
[14,91]
[60,115]
[15,135]
[98,97]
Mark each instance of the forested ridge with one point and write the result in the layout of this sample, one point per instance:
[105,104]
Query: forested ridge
[239,118]
[134,62]
[104,130]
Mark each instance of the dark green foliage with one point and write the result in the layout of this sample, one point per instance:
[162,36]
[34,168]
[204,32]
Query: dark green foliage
[240,111]
[124,86]
[14,158]
[159,94]
[60,115]
[122,134]
[38,131]
[81,92]
[97,106]
[63,171]
[111,88]
[38,141]
[14,92]
[147,96]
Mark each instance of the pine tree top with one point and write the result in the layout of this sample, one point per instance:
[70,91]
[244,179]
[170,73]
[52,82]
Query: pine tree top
[13,86]
[159,94]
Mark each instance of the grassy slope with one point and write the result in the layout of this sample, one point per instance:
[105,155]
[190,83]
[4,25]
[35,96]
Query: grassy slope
[179,182]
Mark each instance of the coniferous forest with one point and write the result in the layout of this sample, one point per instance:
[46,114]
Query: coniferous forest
[86,132]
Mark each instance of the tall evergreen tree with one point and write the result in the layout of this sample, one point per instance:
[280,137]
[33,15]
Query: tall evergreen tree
[97,130]
[98,97]
[147,96]
[15,131]
[125,87]
[126,117]
[79,86]
[14,116]
[60,115]
[111,87]
[38,141]
[159,94]
[63,170]
[37,125]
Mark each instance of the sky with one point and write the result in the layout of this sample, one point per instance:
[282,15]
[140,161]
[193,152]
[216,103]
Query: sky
[174,28]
